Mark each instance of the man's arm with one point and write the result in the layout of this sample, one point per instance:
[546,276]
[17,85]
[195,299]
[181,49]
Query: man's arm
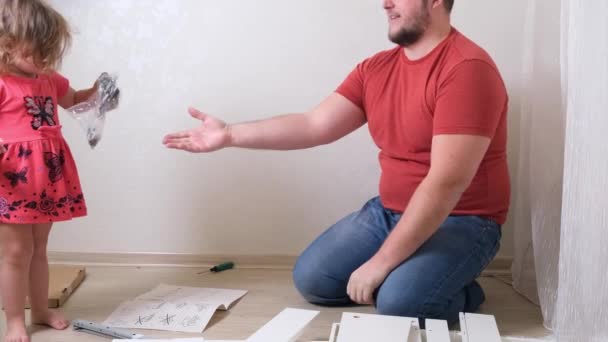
[455,160]
[331,120]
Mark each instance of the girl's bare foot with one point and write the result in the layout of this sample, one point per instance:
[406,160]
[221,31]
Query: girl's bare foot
[51,318]
[16,332]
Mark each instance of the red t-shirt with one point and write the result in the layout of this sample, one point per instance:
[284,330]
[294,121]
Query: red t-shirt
[455,89]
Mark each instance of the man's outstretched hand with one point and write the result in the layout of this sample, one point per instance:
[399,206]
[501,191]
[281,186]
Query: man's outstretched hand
[213,134]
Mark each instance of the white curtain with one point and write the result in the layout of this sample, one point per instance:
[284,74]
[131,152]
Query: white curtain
[561,205]
[582,301]
[538,200]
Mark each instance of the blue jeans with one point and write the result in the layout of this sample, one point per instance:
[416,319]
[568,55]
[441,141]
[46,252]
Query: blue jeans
[437,281]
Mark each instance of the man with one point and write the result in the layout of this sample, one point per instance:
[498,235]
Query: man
[436,107]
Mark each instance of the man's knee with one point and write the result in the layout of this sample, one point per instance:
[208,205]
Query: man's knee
[419,302]
[315,286]
[305,281]
[393,303]
[413,304]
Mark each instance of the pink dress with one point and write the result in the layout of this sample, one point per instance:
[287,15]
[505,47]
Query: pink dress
[38,178]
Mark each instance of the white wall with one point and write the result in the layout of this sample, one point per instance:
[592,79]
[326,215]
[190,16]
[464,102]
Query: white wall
[240,60]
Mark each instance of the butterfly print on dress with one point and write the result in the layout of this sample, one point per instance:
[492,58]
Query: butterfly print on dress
[17,176]
[24,152]
[42,110]
[54,162]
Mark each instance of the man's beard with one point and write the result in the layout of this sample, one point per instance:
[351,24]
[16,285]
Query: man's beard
[409,35]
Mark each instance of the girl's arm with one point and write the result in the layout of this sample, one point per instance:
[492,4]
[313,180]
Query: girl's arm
[74,97]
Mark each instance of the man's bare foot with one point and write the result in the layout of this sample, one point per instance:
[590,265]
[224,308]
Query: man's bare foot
[16,332]
[51,318]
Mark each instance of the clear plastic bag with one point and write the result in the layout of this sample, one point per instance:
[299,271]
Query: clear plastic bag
[91,114]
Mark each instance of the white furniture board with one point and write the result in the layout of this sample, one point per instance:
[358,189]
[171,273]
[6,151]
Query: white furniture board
[285,327]
[437,331]
[356,327]
[200,339]
[415,335]
[479,328]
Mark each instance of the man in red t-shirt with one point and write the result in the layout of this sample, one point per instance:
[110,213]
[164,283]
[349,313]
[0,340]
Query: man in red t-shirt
[436,107]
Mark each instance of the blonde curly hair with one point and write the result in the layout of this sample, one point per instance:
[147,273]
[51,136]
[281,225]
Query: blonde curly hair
[32,28]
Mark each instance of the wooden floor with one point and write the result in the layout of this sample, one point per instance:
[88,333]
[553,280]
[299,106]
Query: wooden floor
[270,291]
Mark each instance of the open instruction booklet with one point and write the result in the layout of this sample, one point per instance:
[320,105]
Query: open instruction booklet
[284,327]
[173,308]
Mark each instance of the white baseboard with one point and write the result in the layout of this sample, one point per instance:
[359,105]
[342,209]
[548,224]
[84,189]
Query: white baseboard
[170,259]
[499,266]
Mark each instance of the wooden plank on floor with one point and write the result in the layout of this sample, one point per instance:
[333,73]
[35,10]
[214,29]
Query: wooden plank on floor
[479,328]
[63,281]
[356,327]
[437,331]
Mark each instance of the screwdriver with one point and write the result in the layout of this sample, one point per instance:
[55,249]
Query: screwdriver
[219,268]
